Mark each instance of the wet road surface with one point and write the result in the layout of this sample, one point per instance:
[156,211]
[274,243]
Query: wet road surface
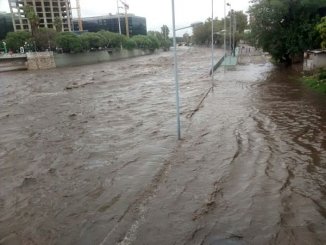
[89,155]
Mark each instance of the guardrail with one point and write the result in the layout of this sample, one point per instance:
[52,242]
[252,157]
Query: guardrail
[13,62]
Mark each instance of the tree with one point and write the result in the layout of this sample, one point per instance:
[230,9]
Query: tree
[165,31]
[130,44]
[164,43]
[285,28]
[202,33]
[155,43]
[241,21]
[321,28]
[32,17]
[186,38]
[111,39]
[92,40]
[69,42]
[15,40]
[45,38]
[58,24]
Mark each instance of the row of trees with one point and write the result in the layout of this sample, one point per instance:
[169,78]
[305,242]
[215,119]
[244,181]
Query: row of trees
[41,39]
[49,39]
[286,28]
[202,33]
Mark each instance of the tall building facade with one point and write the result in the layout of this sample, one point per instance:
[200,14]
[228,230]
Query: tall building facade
[5,24]
[137,25]
[48,11]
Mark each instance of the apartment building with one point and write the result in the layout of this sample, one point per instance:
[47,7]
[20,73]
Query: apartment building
[48,11]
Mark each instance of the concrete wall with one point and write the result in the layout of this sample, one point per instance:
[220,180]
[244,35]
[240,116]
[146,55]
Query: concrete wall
[40,60]
[48,60]
[12,63]
[314,60]
[320,60]
[62,60]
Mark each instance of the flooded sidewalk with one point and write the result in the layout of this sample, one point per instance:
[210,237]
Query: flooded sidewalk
[89,155]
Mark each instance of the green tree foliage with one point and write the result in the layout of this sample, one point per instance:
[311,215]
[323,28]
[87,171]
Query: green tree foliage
[155,43]
[285,28]
[111,39]
[241,21]
[165,32]
[45,39]
[164,39]
[130,44]
[164,43]
[32,17]
[186,38]
[202,34]
[69,42]
[91,40]
[321,28]
[141,41]
[15,40]
[58,24]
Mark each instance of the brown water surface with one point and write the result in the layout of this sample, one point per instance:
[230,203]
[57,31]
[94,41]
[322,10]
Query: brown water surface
[89,155]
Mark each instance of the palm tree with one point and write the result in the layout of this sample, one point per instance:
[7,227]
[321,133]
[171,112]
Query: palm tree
[32,18]
[58,24]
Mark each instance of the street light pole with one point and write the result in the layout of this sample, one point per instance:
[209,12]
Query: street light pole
[234,31]
[119,22]
[224,33]
[176,72]
[230,31]
[119,17]
[212,44]
[228,4]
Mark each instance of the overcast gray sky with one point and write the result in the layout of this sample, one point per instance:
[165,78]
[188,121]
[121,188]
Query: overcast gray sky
[157,12]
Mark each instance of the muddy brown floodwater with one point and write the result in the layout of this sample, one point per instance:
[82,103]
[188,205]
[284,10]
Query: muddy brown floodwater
[89,155]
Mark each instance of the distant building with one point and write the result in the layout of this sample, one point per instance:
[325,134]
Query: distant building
[47,11]
[137,25]
[5,24]
[314,59]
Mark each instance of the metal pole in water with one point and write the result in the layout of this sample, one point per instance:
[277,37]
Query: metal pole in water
[224,33]
[230,34]
[212,44]
[176,72]
[119,22]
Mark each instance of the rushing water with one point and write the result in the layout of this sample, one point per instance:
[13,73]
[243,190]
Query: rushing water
[99,162]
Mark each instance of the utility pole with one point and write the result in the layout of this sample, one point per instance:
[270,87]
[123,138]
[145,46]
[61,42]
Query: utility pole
[234,31]
[212,44]
[224,33]
[230,31]
[176,78]
[119,23]
[119,17]
[80,22]
[126,6]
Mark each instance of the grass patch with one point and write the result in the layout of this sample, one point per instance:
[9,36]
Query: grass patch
[316,81]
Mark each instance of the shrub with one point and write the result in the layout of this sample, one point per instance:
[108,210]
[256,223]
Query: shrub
[15,40]
[92,41]
[130,44]
[69,42]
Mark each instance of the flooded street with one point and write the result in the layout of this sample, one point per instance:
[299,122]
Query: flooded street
[89,155]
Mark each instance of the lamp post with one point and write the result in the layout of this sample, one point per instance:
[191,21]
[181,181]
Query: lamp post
[228,4]
[234,31]
[212,44]
[119,17]
[224,33]
[176,72]
[119,22]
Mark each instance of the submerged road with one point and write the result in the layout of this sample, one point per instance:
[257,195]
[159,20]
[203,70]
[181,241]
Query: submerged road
[89,155]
